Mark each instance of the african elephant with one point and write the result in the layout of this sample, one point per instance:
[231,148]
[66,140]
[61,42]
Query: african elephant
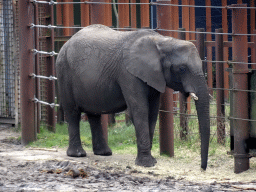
[101,71]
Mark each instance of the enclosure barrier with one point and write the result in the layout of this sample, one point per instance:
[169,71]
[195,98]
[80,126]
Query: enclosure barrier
[167,25]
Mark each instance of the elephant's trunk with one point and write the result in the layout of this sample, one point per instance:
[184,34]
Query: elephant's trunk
[202,107]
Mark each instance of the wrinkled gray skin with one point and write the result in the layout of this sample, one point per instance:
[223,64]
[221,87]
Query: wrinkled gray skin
[101,70]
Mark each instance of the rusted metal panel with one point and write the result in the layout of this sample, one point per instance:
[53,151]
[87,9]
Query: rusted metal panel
[165,118]
[220,84]
[144,14]
[240,54]
[27,84]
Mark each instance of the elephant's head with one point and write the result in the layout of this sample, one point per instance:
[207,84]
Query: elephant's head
[164,61]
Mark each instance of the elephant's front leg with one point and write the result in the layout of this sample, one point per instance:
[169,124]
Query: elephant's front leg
[75,148]
[144,157]
[100,146]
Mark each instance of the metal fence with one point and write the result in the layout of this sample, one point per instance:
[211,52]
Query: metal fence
[8,63]
[93,12]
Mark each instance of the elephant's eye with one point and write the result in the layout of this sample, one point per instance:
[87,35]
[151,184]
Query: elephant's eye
[182,69]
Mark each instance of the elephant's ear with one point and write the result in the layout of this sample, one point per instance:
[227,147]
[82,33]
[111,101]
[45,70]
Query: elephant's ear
[143,61]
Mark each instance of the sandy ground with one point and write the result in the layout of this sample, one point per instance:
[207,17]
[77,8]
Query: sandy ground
[36,169]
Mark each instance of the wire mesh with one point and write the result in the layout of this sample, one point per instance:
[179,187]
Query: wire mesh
[7,64]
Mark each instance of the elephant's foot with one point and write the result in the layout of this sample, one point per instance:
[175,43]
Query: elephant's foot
[145,161]
[76,151]
[104,151]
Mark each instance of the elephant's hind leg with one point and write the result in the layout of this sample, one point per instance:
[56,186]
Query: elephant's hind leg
[100,146]
[75,148]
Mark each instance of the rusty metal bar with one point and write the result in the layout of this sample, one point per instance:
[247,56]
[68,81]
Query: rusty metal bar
[121,16]
[185,18]
[97,12]
[50,70]
[98,17]
[183,102]
[192,20]
[67,18]
[209,48]
[133,14]
[240,54]
[27,85]
[201,45]
[165,119]
[108,14]
[220,84]
[59,18]
[225,38]
[37,71]
[253,50]
[252,15]
[144,14]
[85,16]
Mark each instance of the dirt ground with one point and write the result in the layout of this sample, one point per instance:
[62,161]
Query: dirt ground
[30,169]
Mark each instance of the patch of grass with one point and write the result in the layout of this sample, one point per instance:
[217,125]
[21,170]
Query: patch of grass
[122,137]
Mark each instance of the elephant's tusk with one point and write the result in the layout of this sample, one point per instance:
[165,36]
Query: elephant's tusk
[193,95]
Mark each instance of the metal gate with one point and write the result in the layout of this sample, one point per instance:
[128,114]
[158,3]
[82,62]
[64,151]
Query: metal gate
[7,63]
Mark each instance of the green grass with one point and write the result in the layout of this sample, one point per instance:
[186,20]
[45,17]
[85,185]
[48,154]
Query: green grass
[122,139]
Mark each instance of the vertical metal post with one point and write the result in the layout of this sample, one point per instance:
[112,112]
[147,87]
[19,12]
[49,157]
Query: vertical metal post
[108,13]
[97,12]
[68,18]
[185,18]
[220,84]
[252,15]
[192,20]
[209,48]
[165,118]
[225,38]
[240,54]
[98,17]
[123,14]
[144,14]
[85,16]
[50,68]
[27,85]
[253,51]
[201,45]
[183,102]
[37,71]
[59,16]
[133,14]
